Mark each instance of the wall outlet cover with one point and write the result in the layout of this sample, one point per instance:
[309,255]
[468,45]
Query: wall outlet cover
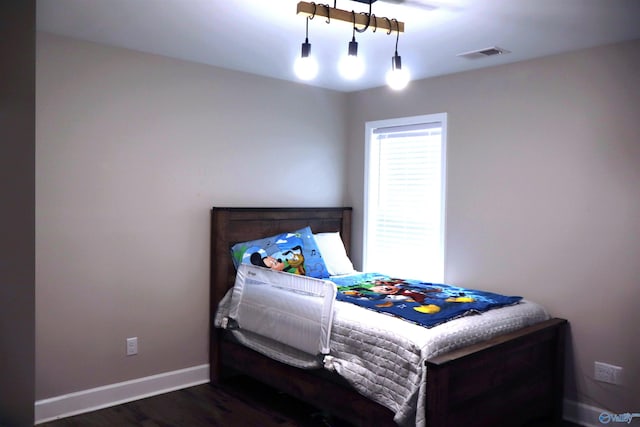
[132,346]
[607,373]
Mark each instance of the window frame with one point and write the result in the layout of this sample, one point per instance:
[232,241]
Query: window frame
[369,180]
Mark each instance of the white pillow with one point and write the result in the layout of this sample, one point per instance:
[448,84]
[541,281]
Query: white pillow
[333,253]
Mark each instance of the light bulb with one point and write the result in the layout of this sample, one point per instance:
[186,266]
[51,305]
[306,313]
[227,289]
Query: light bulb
[351,67]
[306,68]
[397,77]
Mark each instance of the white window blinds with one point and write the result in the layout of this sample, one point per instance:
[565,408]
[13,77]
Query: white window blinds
[405,197]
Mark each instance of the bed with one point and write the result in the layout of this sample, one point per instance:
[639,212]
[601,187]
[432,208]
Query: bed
[514,378]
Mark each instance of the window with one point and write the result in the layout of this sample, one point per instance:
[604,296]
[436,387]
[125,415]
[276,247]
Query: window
[405,197]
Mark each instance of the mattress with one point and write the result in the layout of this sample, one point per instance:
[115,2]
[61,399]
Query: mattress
[383,356]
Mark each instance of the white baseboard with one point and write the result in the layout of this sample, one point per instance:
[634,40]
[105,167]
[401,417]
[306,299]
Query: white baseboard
[582,414]
[116,394]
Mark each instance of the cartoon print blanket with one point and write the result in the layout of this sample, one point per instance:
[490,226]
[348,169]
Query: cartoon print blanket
[426,304]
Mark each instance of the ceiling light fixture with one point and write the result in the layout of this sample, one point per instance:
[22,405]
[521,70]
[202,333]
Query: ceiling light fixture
[351,66]
[306,67]
[398,77]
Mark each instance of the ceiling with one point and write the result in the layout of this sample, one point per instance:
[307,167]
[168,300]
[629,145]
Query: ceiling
[264,37]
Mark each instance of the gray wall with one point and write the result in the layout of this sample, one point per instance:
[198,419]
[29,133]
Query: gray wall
[17,217]
[132,152]
[543,194]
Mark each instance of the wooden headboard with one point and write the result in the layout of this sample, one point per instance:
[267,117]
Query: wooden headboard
[233,225]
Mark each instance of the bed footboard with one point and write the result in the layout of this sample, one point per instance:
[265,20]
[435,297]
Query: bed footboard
[510,380]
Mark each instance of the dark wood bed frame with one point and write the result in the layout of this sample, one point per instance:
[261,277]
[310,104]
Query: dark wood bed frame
[511,380]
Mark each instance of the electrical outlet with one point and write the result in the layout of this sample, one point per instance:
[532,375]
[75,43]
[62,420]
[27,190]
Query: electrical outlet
[132,346]
[607,373]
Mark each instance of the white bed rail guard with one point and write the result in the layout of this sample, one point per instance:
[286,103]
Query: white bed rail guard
[291,309]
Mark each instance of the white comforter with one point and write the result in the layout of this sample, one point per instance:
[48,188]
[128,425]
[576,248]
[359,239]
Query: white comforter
[383,356]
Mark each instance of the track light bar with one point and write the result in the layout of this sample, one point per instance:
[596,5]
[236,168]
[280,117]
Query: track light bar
[311,9]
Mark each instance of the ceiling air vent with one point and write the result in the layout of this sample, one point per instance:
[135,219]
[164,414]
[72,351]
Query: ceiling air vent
[482,53]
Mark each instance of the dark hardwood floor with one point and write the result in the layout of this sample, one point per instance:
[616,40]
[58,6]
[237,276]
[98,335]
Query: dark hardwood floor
[240,402]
